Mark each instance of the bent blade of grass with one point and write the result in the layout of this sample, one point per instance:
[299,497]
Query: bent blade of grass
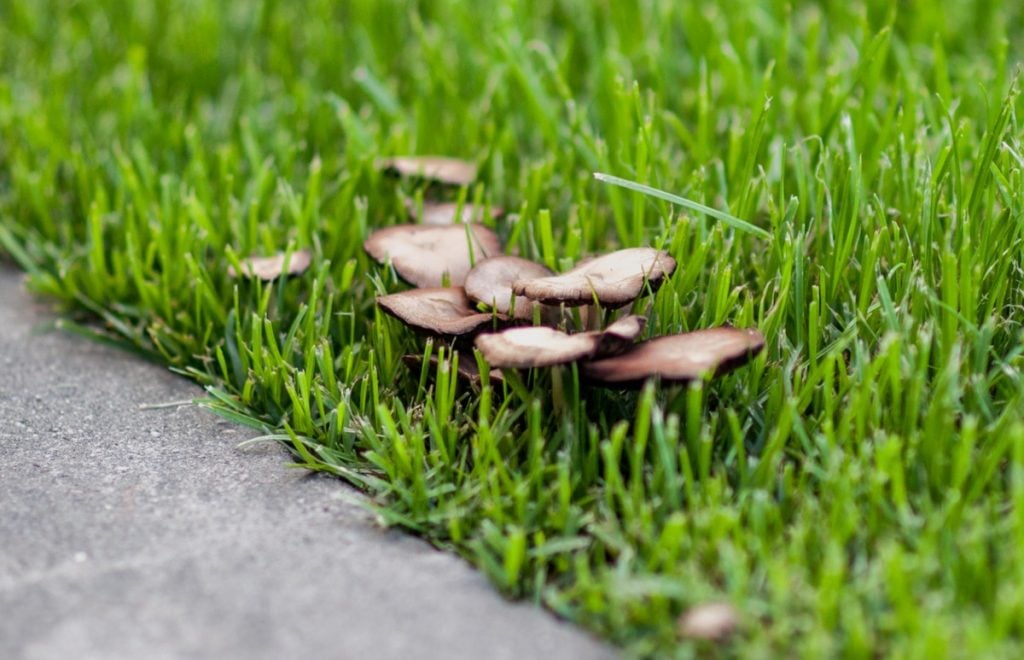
[728,219]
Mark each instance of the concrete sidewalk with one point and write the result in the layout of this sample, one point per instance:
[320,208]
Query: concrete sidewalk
[144,533]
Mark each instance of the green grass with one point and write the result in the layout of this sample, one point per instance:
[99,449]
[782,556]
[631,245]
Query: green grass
[857,491]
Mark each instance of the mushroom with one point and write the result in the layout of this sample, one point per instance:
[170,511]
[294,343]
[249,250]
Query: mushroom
[450,171]
[467,369]
[613,279]
[271,268]
[540,346]
[449,213]
[441,311]
[711,622]
[424,255]
[490,282]
[684,357]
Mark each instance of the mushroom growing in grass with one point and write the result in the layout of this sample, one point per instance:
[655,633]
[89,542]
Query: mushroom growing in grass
[467,369]
[449,171]
[445,312]
[540,346]
[490,283]
[271,268]
[679,358]
[612,280]
[450,213]
[433,256]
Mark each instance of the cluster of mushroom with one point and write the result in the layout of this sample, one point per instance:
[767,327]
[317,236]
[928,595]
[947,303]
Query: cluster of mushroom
[518,311]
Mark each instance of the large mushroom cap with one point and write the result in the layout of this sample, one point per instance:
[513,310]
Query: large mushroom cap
[490,282]
[540,346]
[451,171]
[271,268]
[422,255]
[445,312]
[449,213]
[613,279]
[681,358]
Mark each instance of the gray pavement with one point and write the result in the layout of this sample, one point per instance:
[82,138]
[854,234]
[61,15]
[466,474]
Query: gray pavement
[128,532]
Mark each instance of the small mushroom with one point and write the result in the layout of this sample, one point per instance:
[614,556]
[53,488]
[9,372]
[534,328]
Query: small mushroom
[490,282]
[467,369]
[620,335]
[613,279]
[446,312]
[271,268]
[712,622]
[450,171]
[540,346]
[423,255]
[684,357]
[449,213]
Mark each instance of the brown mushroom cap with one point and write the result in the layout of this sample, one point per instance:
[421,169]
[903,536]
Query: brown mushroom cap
[713,622]
[467,369]
[271,268]
[614,279]
[451,171]
[449,213]
[620,335]
[445,312]
[422,255]
[680,358]
[540,346]
[490,282]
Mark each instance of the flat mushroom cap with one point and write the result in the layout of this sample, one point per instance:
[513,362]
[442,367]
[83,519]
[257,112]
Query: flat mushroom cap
[537,346]
[679,358]
[614,279]
[271,268]
[442,311]
[540,346]
[710,621]
[448,213]
[490,282]
[467,369]
[451,171]
[422,255]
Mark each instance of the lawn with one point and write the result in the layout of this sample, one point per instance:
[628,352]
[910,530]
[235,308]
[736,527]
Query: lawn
[857,490]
